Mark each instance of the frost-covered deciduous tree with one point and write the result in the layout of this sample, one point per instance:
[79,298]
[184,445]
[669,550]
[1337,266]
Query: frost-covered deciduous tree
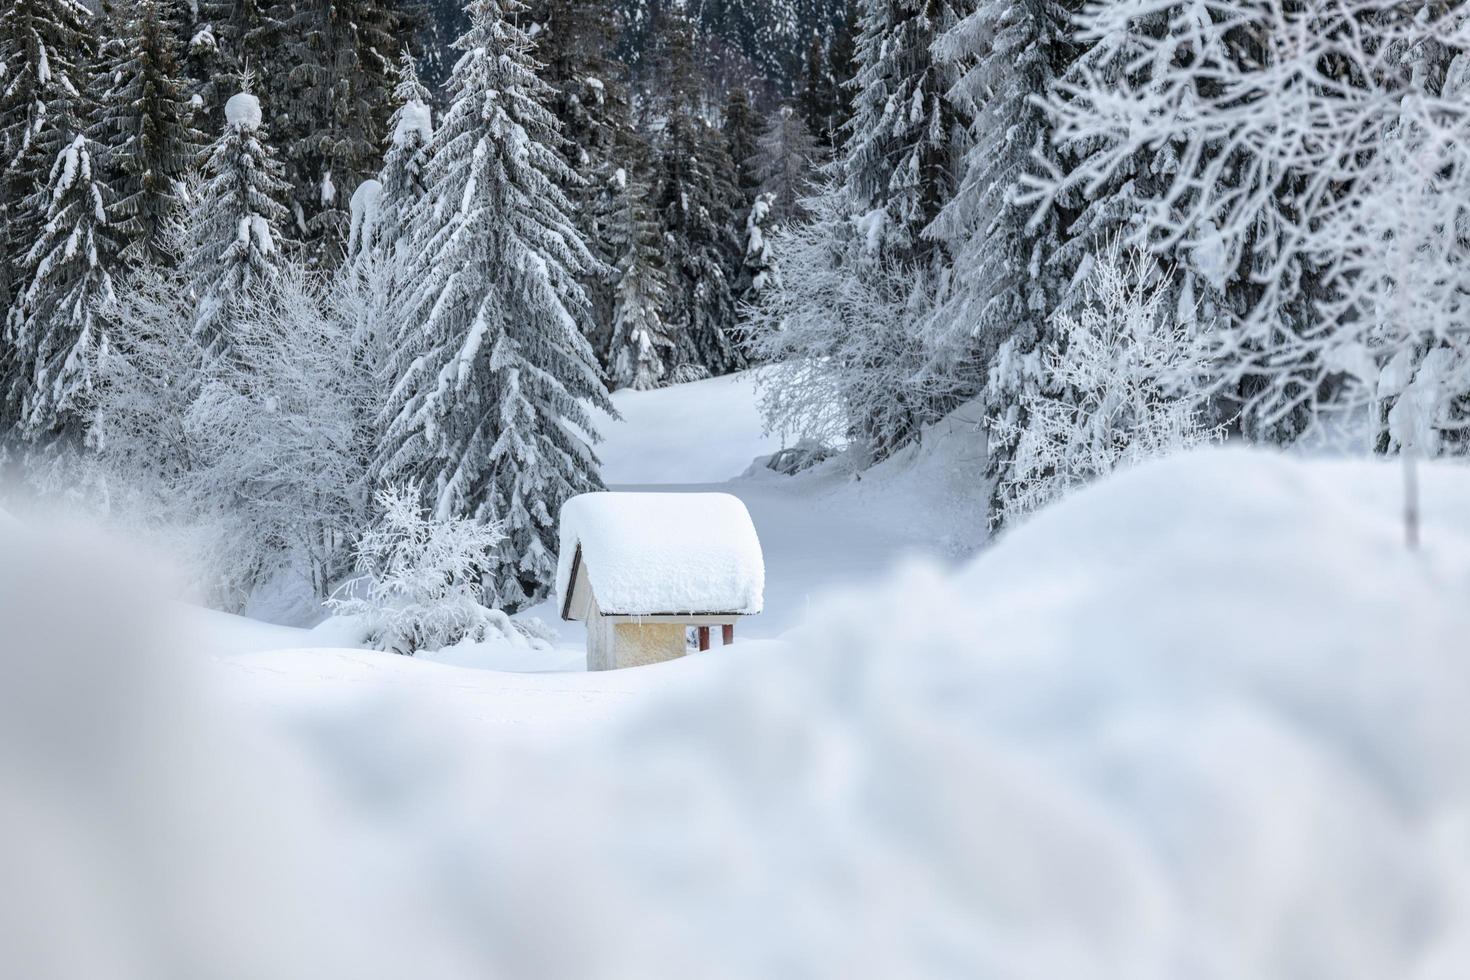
[418,584]
[642,352]
[1214,285]
[239,247]
[492,379]
[840,330]
[786,165]
[54,326]
[146,380]
[1121,383]
[1331,105]
[282,433]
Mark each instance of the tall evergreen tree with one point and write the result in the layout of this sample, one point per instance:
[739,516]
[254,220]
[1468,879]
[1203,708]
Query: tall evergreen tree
[742,131]
[641,350]
[1006,284]
[236,38]
[900,161]
[492,376]
[54,326]
[825,97]
[241,223]
[574,44]
[895,174]
[697,200]
[146,128]
[333,100]
[410,128]
[841,70]
[45,46]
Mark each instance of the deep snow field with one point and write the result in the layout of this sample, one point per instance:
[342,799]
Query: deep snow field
[1207,719]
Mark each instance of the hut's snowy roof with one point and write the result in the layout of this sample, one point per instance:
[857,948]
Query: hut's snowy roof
[663,553]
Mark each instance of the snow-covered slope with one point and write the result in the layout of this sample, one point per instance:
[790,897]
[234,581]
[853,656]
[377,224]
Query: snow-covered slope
[701,432]
[1205,720]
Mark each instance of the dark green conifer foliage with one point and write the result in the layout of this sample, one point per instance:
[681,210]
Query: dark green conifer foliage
[146,129]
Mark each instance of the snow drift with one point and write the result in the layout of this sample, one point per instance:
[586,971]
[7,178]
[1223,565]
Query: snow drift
[1203,720]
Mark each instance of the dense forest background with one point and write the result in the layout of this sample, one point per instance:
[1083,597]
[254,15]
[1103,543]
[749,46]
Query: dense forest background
[266,261]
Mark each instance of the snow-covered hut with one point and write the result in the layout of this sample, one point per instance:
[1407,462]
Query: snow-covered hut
[639,568]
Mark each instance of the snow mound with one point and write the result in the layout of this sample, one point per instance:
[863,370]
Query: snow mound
[365,210]
[415,120]
[652,553]
[1205,719]
[243,110]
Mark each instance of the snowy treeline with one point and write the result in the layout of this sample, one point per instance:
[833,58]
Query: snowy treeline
[258,274]
[1295,173]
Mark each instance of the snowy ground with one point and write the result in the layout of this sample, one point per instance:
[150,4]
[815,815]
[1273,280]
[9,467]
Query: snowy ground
[1205,719]
[819,531]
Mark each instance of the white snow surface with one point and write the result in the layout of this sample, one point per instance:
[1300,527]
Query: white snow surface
[650,553]
[1205,719]
[701,432]
[415,119]
[365,209]
[243,110]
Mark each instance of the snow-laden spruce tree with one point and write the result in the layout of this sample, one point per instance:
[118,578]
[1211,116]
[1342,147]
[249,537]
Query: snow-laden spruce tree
[642,350]
[826,96]
[899,162]
[1121,383]
[492,380]
[1006,280]
[147,130]
[419,579]
[374,283]
[241,221]
[1333,105]
[54,327]
[410,128]
[755,276]
[45,46]
[696,199]
[329,105]
[740,125]
[575,45]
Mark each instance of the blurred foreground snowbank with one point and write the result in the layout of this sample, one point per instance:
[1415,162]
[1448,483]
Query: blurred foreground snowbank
[1204,720]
